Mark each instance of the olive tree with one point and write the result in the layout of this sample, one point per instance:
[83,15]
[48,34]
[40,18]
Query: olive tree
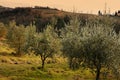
[16,37]
[46,44]
[71,43]
[71,49]
[99,46]
[30,32]
[95,46]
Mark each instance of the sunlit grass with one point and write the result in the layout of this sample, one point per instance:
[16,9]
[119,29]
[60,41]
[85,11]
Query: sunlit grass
[28,67]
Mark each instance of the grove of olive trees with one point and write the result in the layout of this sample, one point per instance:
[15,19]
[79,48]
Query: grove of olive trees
[95,46]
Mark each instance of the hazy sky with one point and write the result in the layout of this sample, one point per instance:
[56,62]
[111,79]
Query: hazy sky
[90,6]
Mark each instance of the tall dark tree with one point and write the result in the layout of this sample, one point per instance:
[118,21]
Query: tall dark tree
[60,23]
[116,14]
[67,19]
[99,13]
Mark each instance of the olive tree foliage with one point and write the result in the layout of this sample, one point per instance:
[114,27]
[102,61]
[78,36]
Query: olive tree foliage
[114,57]
[71,43]
[30,33]
[16,37]
[95,47]
[46,44]
[99,48]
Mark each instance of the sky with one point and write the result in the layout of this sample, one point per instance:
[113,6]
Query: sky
[85,6]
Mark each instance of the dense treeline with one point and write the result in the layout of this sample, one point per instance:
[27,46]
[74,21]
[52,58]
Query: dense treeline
[39,16]
[42,16]
[92,44]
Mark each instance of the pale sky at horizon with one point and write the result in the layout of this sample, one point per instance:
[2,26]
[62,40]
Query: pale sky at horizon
[90,6]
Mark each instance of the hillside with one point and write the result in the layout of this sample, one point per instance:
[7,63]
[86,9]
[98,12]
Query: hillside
[27,15]
[40,16]
[4,8]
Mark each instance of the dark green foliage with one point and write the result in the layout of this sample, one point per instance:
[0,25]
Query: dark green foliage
[60,23]
[40,16]
[41,23]
[67,19]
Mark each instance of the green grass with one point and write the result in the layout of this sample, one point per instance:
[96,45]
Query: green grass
[31,71]
[27,67]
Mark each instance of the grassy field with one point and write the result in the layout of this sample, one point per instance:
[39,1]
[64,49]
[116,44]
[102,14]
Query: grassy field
[28,67]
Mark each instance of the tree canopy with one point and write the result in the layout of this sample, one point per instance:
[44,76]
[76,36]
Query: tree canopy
[93,46]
